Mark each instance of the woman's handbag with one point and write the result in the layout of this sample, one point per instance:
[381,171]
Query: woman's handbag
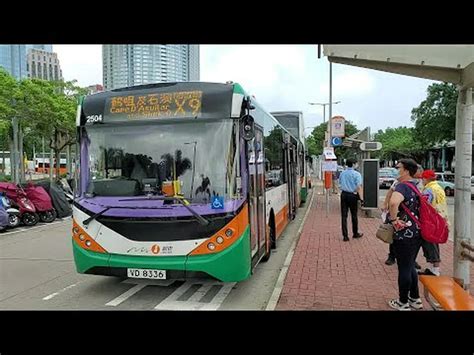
[385,233]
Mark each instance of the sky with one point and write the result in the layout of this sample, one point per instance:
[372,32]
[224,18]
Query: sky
[286,78]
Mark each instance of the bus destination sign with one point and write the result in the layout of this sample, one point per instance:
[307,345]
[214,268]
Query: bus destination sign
[155,105]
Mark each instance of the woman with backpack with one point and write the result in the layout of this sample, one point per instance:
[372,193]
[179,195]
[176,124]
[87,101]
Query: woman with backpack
[404,203]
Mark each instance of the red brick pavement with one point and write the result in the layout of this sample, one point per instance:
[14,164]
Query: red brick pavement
[328,274]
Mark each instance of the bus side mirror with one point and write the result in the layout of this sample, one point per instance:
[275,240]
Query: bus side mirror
[248,127]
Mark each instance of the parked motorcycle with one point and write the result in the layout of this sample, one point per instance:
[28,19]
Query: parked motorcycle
[13,213]
[19,199]
[42,201]
[3,219]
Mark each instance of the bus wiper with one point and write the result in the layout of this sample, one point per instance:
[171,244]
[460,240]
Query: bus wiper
[203,221]
[98,214]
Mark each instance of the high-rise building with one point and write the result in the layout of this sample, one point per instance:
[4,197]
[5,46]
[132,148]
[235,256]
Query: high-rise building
[13,57]
[136,64]
[42,64]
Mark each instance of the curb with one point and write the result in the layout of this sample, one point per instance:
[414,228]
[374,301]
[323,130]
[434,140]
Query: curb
[281,278]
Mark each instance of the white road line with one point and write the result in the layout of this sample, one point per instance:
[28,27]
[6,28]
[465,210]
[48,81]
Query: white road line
[47,298]
[200,293]
[126,295]
[281,278]
[148,282]
[172,303]
[25,229]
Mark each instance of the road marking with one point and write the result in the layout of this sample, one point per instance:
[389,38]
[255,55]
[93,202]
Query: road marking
[281,278]
[194,302]
[38,226]
[126,295]
[47,298]
[139,285]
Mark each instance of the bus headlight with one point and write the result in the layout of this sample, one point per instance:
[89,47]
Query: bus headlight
[75,230]
[88,243]
[229,233]
[220,240]
[81,237]
[211,246]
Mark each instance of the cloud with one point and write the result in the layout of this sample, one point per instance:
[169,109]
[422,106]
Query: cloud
[350,82]
[81,62]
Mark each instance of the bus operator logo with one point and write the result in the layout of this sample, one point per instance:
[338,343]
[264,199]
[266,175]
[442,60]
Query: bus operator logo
[155,248]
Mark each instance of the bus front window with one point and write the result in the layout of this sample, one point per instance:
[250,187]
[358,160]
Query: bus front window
[200,155]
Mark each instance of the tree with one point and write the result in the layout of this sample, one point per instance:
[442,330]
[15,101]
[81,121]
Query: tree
[435,117]
[48,108]
[400,142]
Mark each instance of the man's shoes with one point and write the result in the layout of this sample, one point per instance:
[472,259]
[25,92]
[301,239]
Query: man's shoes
[390,261]
[345,239]
[396,304]
[417,266]
[358,235]
[415,303]
[427,272]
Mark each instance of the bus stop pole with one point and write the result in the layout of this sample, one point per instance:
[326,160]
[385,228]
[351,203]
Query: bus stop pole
[462,196]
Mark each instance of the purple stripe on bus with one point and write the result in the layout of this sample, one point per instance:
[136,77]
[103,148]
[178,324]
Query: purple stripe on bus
[146,208]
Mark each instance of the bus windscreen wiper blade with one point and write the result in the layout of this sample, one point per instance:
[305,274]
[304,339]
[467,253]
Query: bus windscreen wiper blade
[98,214]
[181,200]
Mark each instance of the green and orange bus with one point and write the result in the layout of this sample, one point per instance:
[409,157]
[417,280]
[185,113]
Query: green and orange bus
[180,180]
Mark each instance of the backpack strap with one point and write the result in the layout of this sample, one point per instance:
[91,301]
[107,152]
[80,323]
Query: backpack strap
[410,213]
[407,210]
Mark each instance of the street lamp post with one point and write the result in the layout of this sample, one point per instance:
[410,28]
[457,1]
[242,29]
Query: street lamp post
[324,107]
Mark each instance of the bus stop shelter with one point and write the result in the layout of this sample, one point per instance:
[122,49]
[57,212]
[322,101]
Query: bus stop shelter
[448,63]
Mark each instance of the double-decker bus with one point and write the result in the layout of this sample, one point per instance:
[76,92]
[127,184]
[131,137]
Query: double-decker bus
[172,182]
[293,121]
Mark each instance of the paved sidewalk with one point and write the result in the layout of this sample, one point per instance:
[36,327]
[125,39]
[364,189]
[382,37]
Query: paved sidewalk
[328,274]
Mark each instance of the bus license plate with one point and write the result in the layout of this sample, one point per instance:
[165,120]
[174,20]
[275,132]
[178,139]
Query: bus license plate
[147,274]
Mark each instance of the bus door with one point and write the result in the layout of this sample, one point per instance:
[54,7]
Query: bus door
[256,192]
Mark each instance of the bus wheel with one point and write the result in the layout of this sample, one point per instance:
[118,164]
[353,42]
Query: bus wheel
[270,246]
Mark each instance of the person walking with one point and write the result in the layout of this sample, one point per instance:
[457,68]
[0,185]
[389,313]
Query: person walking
[350,183]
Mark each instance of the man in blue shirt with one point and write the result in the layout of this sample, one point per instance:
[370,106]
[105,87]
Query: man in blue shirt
[350,183]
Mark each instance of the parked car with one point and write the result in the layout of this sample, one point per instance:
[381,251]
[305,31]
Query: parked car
[446,181]
[387,177]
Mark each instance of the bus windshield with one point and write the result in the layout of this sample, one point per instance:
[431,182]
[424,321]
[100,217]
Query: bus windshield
[201,155]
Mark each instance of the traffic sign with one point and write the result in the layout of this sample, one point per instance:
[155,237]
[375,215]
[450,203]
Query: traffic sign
[370,146]
[336,141]
[338,126]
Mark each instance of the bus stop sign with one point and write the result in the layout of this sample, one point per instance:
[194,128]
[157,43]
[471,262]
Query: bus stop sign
[336,141]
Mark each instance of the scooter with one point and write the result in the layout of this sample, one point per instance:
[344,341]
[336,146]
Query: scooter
[13,213]
[42,201]
[18,197]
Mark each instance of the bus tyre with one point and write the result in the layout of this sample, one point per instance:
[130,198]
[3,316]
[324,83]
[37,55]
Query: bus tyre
[48,216]
[270,245]
[30,219]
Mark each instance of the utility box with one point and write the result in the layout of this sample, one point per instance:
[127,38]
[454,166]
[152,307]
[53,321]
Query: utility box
[370,183]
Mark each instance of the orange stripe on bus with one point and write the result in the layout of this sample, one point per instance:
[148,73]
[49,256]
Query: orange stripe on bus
[281,220]
[77,232]
[237,225]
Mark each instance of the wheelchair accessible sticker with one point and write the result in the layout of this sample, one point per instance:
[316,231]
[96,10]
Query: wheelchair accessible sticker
[217,202]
